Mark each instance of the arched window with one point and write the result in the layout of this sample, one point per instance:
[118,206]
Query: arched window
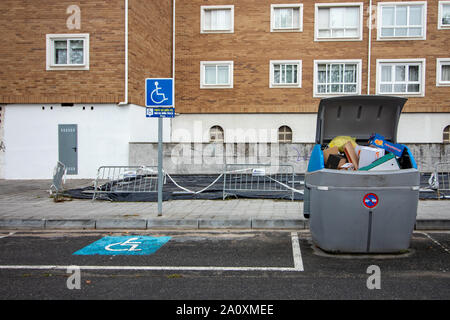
[284,134]
[216,134]
[446,135]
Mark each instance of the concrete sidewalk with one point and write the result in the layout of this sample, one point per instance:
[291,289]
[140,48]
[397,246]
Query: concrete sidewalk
[26,204]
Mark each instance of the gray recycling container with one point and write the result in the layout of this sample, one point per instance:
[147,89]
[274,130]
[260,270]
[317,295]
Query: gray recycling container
[360,211]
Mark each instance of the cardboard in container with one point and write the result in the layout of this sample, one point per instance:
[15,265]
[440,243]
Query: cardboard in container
[380,142]
[327,152]
[350,153]
[367,155]
[388,162]
[335,161]
[347,166]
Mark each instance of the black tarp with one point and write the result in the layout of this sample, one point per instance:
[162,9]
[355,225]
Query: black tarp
[215,192]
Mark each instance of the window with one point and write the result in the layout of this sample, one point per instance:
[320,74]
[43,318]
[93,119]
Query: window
[443,72]
[444,15]
[286,17]
[340,21]
[403,77]
[402,20]
[446,135]
[68,52]
[338,77]
[216,134]
[284,134]
[216,74]
[285,74]
[217,19]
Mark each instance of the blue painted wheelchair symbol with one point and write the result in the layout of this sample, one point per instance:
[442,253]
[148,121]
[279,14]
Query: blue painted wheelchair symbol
[159,92]
[137,245]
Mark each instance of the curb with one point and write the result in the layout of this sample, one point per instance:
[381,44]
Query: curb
[150,224]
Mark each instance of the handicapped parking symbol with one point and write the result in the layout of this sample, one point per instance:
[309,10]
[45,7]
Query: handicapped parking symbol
[159,92]
[124,245]
[127,245]
[156,96]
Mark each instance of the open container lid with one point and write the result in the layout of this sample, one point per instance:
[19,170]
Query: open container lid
[359,117]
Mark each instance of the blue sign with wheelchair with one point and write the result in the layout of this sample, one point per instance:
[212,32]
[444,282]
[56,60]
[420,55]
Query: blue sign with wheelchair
[159,92]
[124,245]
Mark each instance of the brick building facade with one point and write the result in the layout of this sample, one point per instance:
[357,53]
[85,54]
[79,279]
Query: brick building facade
[246,71]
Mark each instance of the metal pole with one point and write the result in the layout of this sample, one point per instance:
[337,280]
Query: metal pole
[160,165]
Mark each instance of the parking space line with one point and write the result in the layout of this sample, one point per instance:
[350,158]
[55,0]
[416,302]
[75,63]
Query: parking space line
[435,242]
[298,265]
[298,261]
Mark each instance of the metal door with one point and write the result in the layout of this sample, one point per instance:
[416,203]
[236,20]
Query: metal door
[68,147]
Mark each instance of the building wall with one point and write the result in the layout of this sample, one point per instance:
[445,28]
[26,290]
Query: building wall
[31,137]
[23,76]
[150,45]
[252,46]
[437,99]
[2,145]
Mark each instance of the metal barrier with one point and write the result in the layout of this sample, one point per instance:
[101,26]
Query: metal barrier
[442,179]
[126,179]
[56,188]
[258,178]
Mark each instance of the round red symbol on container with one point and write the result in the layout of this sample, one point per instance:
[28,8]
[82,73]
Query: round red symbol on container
[370,200]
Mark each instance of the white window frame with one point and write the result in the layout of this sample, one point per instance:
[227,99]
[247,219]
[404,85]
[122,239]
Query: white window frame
[358,63]
[439,63]
[290,5]
[202,18]
[341,4]
[441,10]
[203,64]
[395,4]
[422,70]
[272,83]
[50,40]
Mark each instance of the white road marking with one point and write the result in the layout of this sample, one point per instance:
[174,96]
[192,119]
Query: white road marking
[435,241]
[298,261]
[146,268]
[298,265]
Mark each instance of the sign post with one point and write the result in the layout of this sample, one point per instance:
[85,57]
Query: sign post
[159,96]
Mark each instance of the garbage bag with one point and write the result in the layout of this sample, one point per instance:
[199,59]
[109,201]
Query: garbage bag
[340,142]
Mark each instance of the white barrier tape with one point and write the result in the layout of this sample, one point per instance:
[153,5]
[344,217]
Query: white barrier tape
[286,186]
[190,191]
[228,172]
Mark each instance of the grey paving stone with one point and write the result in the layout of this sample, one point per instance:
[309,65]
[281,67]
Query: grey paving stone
[224,224]
[172,223]
[121,224]
[278,224]
[22,224]
[70,224]
[432,224]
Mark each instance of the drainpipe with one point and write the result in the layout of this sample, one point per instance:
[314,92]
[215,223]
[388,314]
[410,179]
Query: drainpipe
[126,56]
[173,62]
[369,56]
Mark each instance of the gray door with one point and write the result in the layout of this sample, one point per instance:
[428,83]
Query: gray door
[68,147]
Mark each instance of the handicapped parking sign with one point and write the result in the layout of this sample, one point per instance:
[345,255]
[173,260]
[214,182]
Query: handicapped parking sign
[370,200]
[124,245]
[159,92]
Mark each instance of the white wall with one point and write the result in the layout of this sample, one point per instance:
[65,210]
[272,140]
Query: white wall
[2,153]
[104,133]
[243,127]
[413,127]
[422,127]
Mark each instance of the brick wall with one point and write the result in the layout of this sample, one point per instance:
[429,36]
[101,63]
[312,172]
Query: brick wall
[252,46]
[23,76]
[150,45]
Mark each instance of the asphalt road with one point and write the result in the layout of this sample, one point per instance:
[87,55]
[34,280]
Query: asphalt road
[212,266]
